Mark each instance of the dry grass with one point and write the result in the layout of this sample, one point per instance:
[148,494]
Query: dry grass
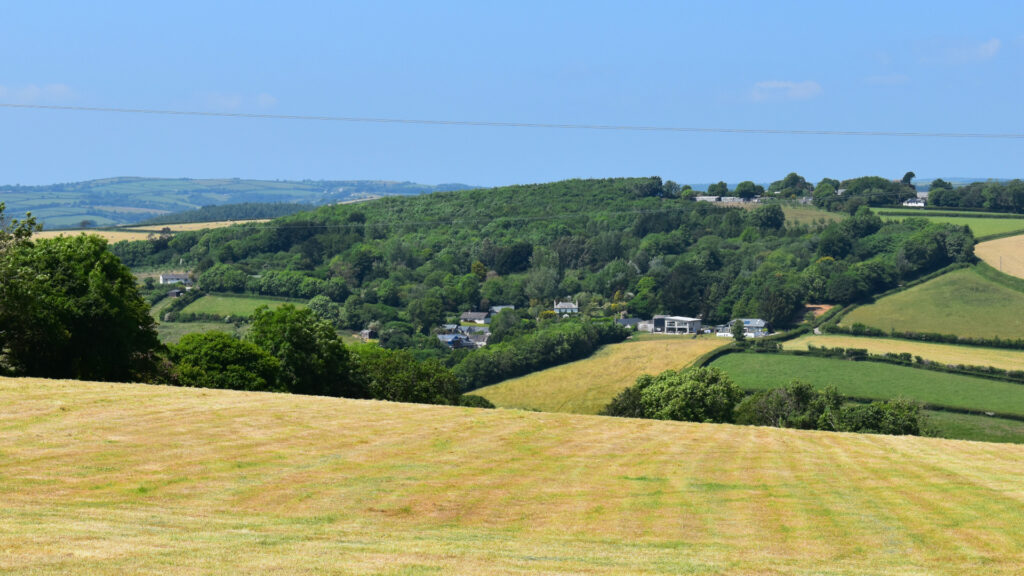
[586,386]
[190,226]
[944,353]
[108,235]
[130,479]
[142,232]
[1004,254]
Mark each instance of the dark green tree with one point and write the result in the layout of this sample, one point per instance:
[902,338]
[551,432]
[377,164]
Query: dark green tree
[908,178]
[698,395]
[738,333]
[219,360]
[395,375]
[70,309]
[718,189]
[312,356]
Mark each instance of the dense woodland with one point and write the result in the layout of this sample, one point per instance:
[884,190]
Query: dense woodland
[241,211]
[617,245]
[404,266]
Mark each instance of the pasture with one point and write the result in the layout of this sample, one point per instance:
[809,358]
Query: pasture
[586,386]
[980,226]
[874,380]
[962,302]
[236,305]
[943,353]
[103,478]
[172,332]
[1003,254]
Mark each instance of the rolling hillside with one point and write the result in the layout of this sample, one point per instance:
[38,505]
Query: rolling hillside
[118,201]
[586,386]
[963,302]
[944,353]
[106,478]
[1004,254]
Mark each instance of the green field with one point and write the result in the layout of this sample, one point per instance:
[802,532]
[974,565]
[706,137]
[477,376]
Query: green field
[104,479]
[962,302]
[586,386]
[980,226]
[172,332]
[944,353]
[875,380]
[235,306]
[975,427]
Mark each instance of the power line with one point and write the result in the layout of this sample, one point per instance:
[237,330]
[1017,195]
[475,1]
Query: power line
[494,124]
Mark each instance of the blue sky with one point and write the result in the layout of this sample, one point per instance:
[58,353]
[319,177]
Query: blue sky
[897,66]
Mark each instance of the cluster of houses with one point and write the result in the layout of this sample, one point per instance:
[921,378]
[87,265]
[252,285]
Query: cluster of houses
[472,331]
[664,324]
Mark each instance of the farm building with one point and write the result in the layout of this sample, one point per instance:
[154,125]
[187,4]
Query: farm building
[175,279]
[628,322]
[494,310]
[475,317]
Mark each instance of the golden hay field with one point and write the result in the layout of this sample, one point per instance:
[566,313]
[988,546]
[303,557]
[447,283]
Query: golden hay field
[945,353]
[586,386]
[142,232]
[191,226]
[108,235]
[1005,254]
[102,478]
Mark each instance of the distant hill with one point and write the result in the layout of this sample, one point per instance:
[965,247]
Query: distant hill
[129,200]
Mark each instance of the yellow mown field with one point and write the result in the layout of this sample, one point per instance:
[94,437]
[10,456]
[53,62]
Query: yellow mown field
[102,478]
[142,232]
[1004,254]
[586,386]
[944,353]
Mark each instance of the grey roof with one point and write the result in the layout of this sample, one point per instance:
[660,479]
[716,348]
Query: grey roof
[677,318]
[754,323]
[566,305]
[473,315]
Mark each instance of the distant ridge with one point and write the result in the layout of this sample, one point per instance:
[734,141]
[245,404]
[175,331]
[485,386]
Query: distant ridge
[130,200]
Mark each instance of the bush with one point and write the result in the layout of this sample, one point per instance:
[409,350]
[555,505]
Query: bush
[698,395]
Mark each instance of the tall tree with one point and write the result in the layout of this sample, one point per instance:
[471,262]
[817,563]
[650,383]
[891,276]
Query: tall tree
[313,358]
[70,309]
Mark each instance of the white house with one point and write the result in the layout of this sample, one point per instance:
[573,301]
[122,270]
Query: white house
[663,324]
[567,308]
[175,279]
[914,203]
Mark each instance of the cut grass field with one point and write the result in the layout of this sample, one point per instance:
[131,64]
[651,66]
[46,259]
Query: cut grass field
[875,380]
[586,386]
[111,236]
[192,226]
[106,478]
[962,302]
[231,305]
[1003,254]
[944,353]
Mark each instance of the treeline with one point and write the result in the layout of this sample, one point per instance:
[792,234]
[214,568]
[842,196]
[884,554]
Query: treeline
[850,195]
[707,394]
[289,350]
[633,244]
[551,344]
[242,211]
[992,195]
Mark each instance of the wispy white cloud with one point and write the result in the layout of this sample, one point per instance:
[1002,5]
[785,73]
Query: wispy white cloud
[37,94]
[785,90]
[264,100]
[959,51]
[888,80]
